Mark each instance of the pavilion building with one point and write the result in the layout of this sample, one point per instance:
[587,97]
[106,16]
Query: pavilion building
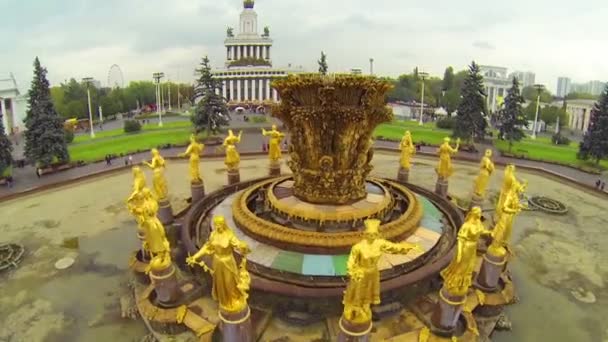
[13,105]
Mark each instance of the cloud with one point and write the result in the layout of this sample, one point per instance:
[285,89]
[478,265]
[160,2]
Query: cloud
[482,44]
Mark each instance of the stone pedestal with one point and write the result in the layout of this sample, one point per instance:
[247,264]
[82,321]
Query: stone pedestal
[234,176]
[446,313]
[139,265]
[274,168]
[165,213]
[166,286]
[354,332]
[441,187]
[403,175]
[476,201]
[489,274]
[198,191]
[236,327]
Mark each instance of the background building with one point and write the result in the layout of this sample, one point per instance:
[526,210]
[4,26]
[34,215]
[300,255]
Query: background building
[579,114]
[591,87]
[497,83]
[12,105]
[525,78]
[563,86]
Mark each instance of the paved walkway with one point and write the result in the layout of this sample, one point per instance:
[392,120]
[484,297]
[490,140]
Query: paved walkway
[26,179]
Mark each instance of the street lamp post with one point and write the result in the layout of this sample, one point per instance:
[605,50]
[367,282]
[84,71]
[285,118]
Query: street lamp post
[422,75]
[157,77]
[539,90]
[371,66]
[87,81]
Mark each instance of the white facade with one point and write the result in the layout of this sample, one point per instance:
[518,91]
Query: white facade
[579,113]
[12,105]
[248,69]
[497,83]
[525,78]
[563,86]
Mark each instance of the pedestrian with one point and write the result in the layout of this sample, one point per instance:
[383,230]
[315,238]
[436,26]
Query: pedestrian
[38,172]
[9,181]
[126,161]
[130,159]
[598,183]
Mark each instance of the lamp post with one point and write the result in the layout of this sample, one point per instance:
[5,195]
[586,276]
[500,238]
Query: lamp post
[371,66]
[539,89]
[157,77]
[422,75]
[87,81]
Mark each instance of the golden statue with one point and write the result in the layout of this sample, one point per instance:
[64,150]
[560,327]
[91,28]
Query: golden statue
[364,286]
[158,180]
[194,151]
[274,152]
[485,171]
[509,183]
[230,284]
[458,276]
[445,151]
[501,235]
[136,199]
[156,241]
[407,150]
[232,155]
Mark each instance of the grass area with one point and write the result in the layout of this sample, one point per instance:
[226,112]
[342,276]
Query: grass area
[426,133]
[127,143]
[120,131]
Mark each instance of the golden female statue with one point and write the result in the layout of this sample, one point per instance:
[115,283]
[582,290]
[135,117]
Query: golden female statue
[194,151]
[156,241]
[362,266]
[502,231]
[274,152]
[136,199]
[232,155]
[407,150]
[485,171]
[445,151]
[230,284]
[509,183]
[158,180]
[458,276]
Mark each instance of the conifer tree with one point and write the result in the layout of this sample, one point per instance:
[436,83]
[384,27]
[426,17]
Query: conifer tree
[595,141]
[45,137]
[511,117]
[211,111]
[471,117]
[6,157]
[323,64]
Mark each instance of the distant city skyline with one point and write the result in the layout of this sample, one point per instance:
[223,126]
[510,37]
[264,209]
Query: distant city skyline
[84,38]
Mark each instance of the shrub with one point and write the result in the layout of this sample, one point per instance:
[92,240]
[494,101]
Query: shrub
[69,136]
[259,119]
[132,126]
[559,139]
[446,123]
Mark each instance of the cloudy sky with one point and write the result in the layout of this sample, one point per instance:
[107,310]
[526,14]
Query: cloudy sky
[78,38]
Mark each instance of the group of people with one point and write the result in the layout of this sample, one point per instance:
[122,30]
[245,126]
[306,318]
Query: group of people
[128,159]
[600,184]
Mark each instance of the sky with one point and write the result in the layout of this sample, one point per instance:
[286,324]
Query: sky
[80,38]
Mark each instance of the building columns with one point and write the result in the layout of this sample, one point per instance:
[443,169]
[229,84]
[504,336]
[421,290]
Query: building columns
[246,97]
[238,90]
[260,89]
[224,89]
[231,89]
[274,95]
[4,116]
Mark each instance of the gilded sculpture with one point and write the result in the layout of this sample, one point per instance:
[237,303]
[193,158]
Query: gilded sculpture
[407,150]
[135,201]
[445,151]
[363,289]
[274,151]
[509,183]
[232,155]
[486,168]
[458,276]
[230,283]
[156,241]
[331,120]
[194,151]
[501,235]
[158,179]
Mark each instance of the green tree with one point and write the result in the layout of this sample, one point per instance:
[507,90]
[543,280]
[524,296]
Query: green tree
[471,118]
[448,79]
[44,138]
[581,96]
[549,115]
[211,112]
[323,64]
[595,141]
[6,149]
[530,94]
[510,117]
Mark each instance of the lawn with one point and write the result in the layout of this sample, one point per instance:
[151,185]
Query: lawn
[426,133]
[119,131]
[128,143]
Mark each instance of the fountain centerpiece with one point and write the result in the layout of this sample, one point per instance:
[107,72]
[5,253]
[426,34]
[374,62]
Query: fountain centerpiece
[331,120]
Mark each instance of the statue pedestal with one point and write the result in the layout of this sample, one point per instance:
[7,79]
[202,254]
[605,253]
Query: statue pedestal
[446,313]
[490,272]
[403,175]
[198,191]
[165,286]
[139,264]
[165,213]
[441,187]
[274,169]
[236,327]
[476,201]
[234,176]
[353,332]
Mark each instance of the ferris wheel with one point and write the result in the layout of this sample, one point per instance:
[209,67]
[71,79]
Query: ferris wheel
[115,79]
